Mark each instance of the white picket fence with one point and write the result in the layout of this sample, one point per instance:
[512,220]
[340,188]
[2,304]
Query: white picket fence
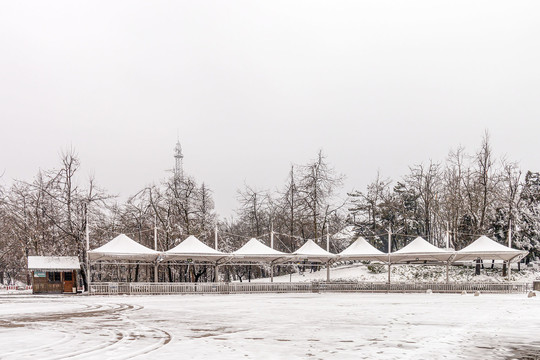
[15,287]
[135,288]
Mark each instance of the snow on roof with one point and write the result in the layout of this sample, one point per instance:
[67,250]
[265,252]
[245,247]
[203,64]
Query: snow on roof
[362,250]
[254,250]
[418,245]
[487,249]
[314,252]
[420,250]
[193,248]
[122,247]
[58,263]
[346,233]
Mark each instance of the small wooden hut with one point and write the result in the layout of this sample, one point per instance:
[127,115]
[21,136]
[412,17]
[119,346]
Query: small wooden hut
[54,274]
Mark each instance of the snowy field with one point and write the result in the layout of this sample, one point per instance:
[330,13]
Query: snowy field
[271,326]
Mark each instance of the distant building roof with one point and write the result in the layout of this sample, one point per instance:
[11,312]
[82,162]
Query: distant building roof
[53,263]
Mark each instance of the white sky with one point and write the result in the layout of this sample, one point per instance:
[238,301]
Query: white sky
[254,86]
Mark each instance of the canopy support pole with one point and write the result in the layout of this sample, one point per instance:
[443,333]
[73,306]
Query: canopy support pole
[272,235]
[327,249]
[509,245]
[155,232]
[89,280]
[216,272]
[272,246]
[216,237]
[447,270]
[155,248]
[328,271]
[447,236]
[389,250]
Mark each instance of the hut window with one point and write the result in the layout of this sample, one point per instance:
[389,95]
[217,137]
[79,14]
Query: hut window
[68,276]
[54,276]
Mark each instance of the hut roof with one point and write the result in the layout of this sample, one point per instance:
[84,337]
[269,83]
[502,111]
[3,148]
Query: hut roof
[53,263]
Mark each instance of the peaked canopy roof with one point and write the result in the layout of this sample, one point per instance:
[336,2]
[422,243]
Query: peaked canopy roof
[193,248]
[420,250]
[122,247]
[254,250]
[487,249]
[313,252]
[53,263]
[362,250]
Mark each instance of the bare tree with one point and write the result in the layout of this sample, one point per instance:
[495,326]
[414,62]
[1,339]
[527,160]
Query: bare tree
[253,208]
[426,182]
[317,186]
[368,203]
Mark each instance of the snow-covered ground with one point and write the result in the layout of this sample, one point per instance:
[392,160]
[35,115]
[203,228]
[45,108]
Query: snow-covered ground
[407,273]
[270,326]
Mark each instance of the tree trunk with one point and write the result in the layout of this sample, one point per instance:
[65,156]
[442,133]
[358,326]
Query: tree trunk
[83,277]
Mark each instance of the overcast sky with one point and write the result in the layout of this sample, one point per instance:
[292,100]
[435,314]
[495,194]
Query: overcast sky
[253,86]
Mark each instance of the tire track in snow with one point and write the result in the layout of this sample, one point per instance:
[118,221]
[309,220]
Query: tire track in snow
[164,339]
[110,320]
[61,323]
[117,337]
[68,337]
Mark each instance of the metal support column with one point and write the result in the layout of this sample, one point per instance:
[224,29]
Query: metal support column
[88,265]
[328,271]
[389,250]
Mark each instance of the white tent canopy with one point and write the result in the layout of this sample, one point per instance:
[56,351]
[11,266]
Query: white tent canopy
[193,248]
[362,250]
[420,250]
[487,249]
[254,250]
[313,252]
[53,263]
[123,248]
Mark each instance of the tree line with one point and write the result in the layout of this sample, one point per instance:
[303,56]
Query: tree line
[465,196]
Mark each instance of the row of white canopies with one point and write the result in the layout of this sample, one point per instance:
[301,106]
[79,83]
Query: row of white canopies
[193,250]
